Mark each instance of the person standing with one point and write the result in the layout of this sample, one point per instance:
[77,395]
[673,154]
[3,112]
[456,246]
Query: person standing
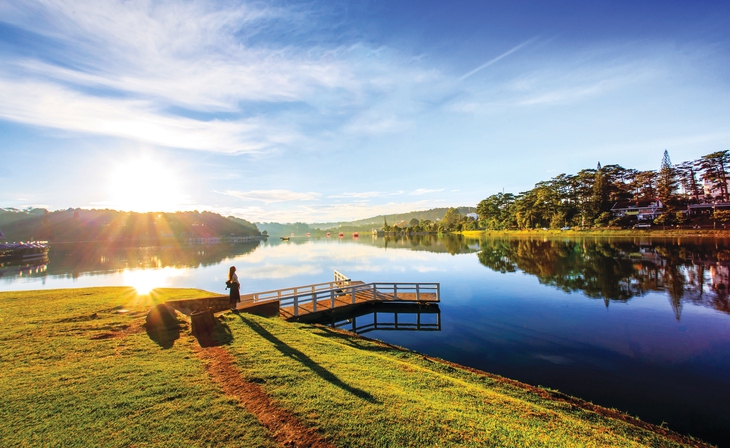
[235,286]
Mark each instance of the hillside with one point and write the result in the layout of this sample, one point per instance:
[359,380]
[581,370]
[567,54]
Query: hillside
[367,224]
[111,225]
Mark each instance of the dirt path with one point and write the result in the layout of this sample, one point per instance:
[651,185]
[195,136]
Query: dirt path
[284,427]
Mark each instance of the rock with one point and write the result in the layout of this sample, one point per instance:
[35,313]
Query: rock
[161,317]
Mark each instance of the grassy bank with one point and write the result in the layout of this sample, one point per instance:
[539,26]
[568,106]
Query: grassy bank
[655,232]
[79,370]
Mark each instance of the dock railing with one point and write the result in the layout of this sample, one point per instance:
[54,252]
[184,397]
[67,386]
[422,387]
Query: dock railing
[278,294]
[341,279]
[392,292]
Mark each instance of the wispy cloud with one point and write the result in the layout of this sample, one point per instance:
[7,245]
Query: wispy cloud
[566,79]
[51,105]
[137,70]
[498,58]
[422,191]
[365,195]
[272,196]
[330,212]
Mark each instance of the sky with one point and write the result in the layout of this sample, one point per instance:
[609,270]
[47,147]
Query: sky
[322,111]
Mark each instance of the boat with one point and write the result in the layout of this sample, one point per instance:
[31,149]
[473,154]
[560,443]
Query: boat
[309,234]
[341,235]
[31,250]
[328,234]
[355,235]
[284,238]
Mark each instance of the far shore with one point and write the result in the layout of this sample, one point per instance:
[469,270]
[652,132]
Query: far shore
[657,232]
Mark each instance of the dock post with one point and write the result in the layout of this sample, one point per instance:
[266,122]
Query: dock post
[314,303]
[332,296]
[418,293]
[296,305]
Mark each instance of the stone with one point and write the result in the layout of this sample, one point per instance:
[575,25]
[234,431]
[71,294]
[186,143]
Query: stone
[161,317]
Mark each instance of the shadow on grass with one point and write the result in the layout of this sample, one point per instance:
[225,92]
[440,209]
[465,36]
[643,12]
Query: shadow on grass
[221,335]
[306,361]
[165,338]
[348,340]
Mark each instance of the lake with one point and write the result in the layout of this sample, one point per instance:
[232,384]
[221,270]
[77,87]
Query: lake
[637,324]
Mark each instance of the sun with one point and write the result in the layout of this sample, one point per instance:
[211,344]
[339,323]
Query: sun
[145,185]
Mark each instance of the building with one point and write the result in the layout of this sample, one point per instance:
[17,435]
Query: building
[643,210]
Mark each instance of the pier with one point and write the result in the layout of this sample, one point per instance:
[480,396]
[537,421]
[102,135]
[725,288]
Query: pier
[340,294]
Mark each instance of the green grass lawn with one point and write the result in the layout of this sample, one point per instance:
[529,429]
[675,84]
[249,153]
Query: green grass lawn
[77,370]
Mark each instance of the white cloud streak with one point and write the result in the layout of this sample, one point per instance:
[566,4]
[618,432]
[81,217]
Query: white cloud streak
[324,212]
[422,191]
[272,196]
[50,105]
[128,64]
[365,195]
[497,59]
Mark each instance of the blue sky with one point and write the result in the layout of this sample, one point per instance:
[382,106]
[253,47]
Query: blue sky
[334,110]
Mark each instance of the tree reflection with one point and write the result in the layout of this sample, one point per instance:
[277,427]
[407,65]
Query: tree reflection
[618,270]
[75,259]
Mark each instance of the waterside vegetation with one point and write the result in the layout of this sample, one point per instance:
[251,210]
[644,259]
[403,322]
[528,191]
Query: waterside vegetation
[85,372]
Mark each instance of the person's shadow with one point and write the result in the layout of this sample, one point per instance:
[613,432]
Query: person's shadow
[306,361]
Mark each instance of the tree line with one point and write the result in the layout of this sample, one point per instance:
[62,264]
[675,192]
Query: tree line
[111,225]
[585,199]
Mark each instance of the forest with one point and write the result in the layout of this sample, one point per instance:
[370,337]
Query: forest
[585,199]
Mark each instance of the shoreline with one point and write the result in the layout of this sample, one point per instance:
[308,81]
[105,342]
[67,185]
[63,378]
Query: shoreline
[653,233]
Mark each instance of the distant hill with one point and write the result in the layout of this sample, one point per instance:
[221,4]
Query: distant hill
[279,229]
[433,215]
[376,222]
[112,225]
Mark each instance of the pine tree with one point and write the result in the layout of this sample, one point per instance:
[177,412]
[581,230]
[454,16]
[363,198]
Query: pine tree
[666,183]
[600,192]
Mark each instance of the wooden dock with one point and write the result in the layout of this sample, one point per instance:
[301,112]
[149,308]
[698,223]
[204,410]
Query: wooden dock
[308,300]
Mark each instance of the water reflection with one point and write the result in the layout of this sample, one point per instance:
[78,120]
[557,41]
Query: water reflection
[145,280]
[21,268]
[618,270]
[451,244]
[75,259]
[384,316]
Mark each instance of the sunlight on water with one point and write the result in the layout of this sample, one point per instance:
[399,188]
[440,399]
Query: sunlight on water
[145,280]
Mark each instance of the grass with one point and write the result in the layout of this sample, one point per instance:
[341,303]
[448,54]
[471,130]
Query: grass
[66,384]
[77,371]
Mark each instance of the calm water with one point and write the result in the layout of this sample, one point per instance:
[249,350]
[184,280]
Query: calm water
[641,325]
